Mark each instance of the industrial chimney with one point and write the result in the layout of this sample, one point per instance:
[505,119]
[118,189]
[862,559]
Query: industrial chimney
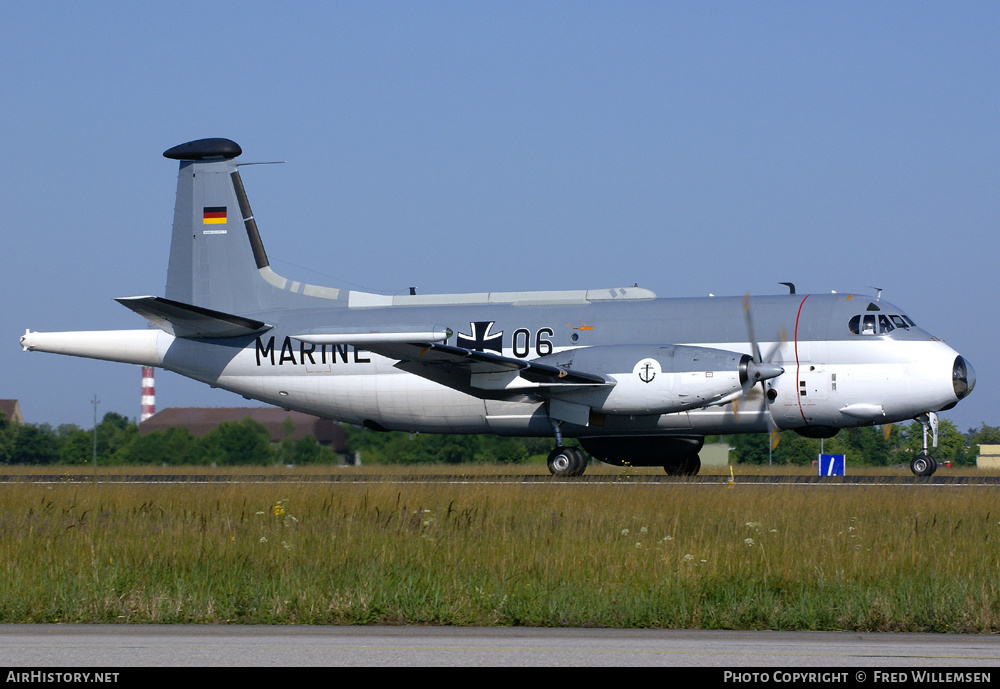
[148,394]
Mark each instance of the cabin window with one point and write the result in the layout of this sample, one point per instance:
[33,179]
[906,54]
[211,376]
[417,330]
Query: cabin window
[872,324]
[863,325]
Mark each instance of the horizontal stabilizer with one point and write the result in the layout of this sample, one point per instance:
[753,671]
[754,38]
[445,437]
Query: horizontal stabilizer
[185,320]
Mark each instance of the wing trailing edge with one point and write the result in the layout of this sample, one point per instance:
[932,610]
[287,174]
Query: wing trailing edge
[384,335]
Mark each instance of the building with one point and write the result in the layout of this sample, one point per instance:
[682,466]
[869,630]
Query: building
[714,455]
[201,420]
[11,411]
[989,457]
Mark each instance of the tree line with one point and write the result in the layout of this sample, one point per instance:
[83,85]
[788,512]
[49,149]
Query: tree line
[247,442]
[117,441]
[869,445]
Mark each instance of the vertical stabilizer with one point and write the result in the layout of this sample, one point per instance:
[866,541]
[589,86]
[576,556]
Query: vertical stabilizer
[217,260]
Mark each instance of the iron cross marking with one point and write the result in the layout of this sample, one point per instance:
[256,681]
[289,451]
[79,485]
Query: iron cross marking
[481,339]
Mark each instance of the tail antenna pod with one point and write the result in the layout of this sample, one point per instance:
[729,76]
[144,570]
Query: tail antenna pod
[205,150]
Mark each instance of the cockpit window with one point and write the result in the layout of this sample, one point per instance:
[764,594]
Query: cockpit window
[878,324]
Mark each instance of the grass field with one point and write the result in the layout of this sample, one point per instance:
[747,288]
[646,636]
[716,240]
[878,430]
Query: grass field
[866,558]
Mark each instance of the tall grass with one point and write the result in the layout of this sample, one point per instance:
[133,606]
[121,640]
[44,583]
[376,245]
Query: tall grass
[629,555]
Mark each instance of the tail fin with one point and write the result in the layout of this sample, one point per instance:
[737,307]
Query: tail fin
[217,260]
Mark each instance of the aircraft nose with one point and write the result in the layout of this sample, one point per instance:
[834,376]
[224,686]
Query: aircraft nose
[963,377]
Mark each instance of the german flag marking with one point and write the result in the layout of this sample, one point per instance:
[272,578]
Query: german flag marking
[214,215]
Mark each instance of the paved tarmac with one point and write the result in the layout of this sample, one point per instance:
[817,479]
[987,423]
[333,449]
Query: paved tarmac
[131,646]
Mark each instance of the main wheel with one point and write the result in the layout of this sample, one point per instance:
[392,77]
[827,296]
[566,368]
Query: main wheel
[567,461]
[923,465]
[692,465]
[688,466]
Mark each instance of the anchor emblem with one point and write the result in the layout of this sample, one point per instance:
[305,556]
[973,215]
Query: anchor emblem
[646,374]
[647,369]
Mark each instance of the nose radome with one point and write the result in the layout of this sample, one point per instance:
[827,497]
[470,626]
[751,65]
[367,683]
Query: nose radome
[963,377]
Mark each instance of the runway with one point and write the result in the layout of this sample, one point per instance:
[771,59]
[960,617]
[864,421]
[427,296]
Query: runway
[348,476]
[124,646]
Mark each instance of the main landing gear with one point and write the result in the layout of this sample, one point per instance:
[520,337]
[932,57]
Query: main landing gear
[678,455]
[566,461]
[923,464]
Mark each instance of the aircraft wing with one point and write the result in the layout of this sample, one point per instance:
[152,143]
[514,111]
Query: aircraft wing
[422,353]
[463,368]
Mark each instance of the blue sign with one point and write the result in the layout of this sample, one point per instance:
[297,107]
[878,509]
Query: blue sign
[831,465]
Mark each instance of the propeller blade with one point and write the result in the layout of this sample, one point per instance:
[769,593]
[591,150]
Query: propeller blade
[782,340]
[761,369]
[886,431]
[750,331]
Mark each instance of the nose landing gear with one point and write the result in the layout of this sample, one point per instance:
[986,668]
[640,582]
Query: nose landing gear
[923,464]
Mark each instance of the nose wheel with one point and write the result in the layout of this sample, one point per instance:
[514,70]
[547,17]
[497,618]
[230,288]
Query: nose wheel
[923,465]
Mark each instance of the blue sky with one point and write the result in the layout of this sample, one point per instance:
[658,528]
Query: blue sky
[691,148]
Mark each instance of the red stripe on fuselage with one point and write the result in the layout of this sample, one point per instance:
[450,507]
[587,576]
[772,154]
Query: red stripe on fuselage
[798,392]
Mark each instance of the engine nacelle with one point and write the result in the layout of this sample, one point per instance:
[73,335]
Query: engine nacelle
[653,379]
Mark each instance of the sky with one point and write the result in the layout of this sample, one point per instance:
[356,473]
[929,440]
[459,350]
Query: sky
[688,147]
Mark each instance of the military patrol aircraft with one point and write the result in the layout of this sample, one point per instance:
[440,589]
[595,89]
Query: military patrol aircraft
[637,379]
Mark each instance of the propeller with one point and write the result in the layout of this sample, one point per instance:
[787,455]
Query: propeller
[760,369]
